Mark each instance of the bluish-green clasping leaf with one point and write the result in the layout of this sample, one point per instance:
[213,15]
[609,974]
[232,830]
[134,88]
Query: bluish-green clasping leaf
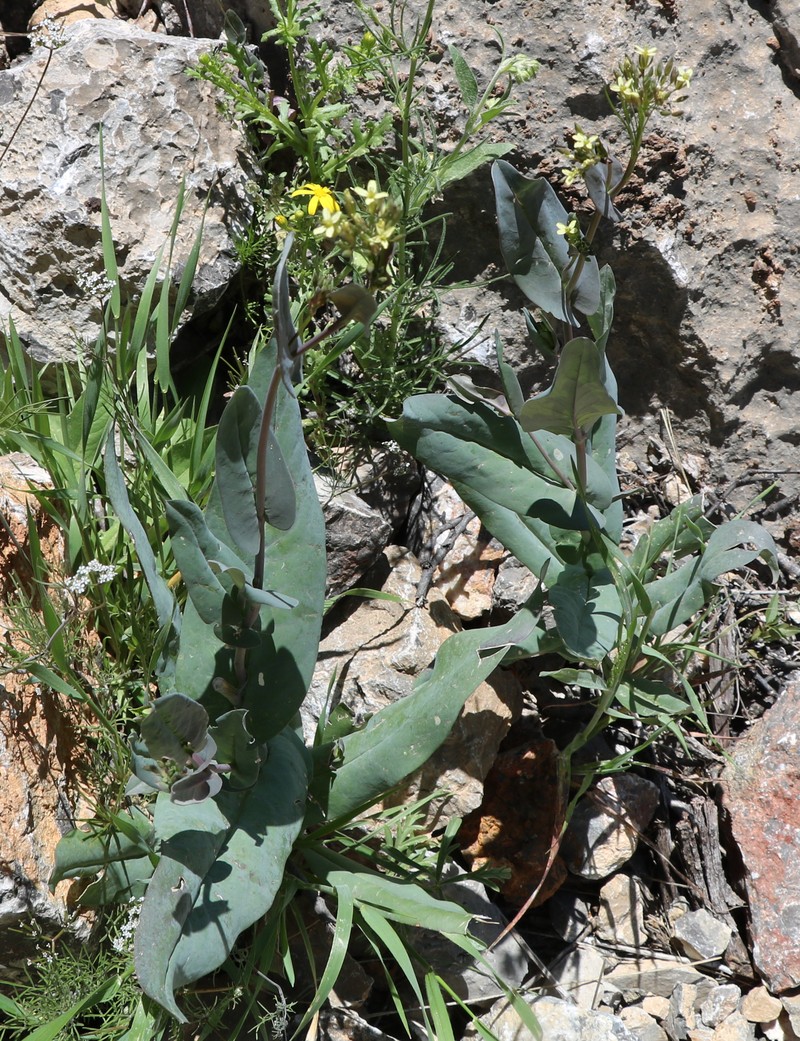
[508,378]
[174,728]
[587,612]
[537,257]
[403,736]
[576,398]
[234,577]
[222,863]
[237,442]
[734,545]
[237,747]
[286,338]
[599,179]
[80,854]
[194,546]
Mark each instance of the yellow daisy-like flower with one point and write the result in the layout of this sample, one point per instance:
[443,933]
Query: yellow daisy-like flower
[318,195]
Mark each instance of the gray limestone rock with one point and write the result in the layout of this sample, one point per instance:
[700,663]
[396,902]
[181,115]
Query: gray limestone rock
[620,917]
[560,1021]
[645,975]
[720,1003]
[604,830]
[161,129]
[702,936]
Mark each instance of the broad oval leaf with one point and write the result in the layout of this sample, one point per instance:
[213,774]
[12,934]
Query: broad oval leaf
[577,397]
[222,863]
[537,257]
[587,612]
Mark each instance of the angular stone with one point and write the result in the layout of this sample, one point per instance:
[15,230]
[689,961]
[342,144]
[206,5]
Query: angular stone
[682,1015]
[620,916]
[656,1006]
[791,1004]
[372,658]
[559,1021]
[579,975]
[638,977]
[355,535]
[734,1028]
[517,822]
[720,1003]
[160,128]
[761,793]
[759,1006]
[641,1024]
[605,827]
[702,936]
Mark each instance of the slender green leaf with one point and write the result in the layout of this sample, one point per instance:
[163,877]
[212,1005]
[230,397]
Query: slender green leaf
[465,77]
[401,737]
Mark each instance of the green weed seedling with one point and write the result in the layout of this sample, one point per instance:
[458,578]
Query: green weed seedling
[541,473]
[247,815]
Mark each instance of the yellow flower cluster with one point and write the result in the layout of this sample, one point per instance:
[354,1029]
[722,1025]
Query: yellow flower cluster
[362,223]
[587,150]
[643,83]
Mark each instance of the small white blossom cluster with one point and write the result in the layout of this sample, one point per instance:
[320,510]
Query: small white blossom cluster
[123,941]
[86,574]
[48,33]
[95,283]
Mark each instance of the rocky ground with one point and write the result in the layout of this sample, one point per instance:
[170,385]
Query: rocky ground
[672,906]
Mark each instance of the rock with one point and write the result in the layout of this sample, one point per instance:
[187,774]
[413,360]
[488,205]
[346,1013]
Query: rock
[66,12]
[779,1029]
[569,914]
[464,557]
[620,917]
[338,1024]
[578,974]
[791,1005]
[759,1006]
[786,20]
[700,1034]
[682,1015]
[467,574]
[513,585]
[372,659]
[734,1028]
[656,1006]
[559,1020]
[160,127]
[642,1025]
[702,936]
[646,975]
[720,1003]
[510,958]
[760,791]
[355,535]
[517,823]
[40,760]
[604,830]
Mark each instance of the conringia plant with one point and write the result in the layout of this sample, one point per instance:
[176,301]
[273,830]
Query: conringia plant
[541,473]
[246,814]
